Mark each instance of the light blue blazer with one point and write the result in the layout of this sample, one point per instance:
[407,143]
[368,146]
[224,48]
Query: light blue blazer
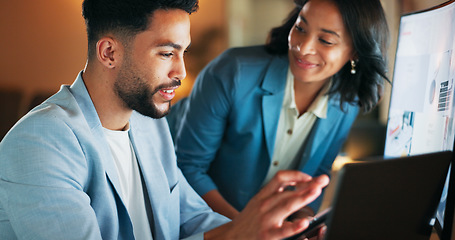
[58,179]
[226,138]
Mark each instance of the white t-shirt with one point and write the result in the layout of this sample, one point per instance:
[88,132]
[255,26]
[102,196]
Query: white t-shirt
[130,181]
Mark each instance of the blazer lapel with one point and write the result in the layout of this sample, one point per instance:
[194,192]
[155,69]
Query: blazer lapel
[319,133]
[108,160]
[155,178]
[273,86]
[85,103]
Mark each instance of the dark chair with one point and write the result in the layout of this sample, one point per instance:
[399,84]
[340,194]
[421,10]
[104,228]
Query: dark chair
[10,104]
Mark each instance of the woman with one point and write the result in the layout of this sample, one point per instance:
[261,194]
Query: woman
[287,105]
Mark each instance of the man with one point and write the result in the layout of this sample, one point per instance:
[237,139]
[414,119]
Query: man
[96,160]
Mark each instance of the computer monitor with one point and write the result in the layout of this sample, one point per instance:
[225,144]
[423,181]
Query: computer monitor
[421,113]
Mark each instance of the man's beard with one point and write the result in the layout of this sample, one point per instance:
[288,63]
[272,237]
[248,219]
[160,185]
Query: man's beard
[140,99]
[137,95]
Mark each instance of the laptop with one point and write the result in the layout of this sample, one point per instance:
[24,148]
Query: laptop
[387,198]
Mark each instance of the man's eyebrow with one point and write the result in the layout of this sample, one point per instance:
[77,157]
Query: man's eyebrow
[324,30]
[170,44]
[173,45]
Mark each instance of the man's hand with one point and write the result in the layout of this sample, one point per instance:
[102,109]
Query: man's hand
[264,217]
[305,212]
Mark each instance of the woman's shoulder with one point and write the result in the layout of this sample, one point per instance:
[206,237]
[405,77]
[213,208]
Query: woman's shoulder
[348,109]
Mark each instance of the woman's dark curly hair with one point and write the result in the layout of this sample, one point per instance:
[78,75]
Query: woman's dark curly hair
[365,21]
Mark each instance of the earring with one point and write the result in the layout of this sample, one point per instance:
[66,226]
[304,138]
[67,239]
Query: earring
[353,67]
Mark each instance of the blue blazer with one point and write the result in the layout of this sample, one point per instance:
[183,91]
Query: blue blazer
[226,137]
[58,179]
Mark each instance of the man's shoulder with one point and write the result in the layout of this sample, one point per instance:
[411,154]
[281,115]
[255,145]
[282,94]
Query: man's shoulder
[46,139]
[61,107]
[56,116]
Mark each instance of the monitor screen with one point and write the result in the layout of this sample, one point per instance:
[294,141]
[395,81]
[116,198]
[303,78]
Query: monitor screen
[421,113]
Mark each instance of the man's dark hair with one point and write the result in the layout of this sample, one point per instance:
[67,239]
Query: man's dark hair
[124,18]
[366,23]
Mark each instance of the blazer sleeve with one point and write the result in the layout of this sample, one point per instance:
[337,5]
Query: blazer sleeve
[198,138]
[42,174]
[195,216]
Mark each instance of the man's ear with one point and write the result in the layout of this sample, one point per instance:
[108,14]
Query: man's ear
[107,52]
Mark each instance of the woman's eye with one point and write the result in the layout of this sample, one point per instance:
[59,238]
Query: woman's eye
[325,42]
[300,29]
